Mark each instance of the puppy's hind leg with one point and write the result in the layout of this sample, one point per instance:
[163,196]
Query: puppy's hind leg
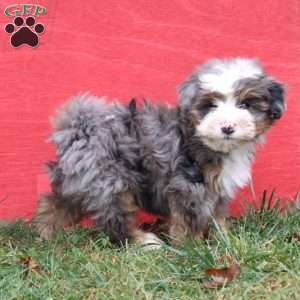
[120,223]
[52,216]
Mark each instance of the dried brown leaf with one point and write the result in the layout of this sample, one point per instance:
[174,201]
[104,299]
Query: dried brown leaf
[220,277]
[31,265]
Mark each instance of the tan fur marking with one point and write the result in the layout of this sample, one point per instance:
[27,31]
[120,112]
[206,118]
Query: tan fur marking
[262,126]
[179,230]
[211,173]
[49,218]
[223,224]
[128,203]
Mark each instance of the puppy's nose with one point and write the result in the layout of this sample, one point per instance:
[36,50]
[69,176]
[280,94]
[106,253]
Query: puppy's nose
[227,129]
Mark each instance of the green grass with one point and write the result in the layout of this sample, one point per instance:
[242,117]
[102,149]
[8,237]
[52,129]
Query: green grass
[82,264]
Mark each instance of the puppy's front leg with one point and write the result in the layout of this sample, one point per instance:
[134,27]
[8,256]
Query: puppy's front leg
[222,223]
[188,220]
[179,229]
[186,226]
[221,214]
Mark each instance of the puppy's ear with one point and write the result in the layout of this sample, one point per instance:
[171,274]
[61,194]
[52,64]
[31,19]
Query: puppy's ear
[188,91]
[277,101]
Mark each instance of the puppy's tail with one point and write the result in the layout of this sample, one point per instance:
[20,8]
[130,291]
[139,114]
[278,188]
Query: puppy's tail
[79,111]
[81,137]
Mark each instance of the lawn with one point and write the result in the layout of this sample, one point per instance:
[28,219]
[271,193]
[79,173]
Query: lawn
[82,264]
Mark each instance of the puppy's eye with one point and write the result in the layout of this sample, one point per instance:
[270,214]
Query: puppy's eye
[244,105]
[208,105]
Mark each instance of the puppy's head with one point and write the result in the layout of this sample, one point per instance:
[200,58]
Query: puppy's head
[231,102]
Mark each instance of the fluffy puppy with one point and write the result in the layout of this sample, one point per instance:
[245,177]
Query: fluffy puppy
[185,162]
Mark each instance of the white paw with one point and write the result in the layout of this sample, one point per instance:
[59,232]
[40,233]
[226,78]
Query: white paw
[150,241]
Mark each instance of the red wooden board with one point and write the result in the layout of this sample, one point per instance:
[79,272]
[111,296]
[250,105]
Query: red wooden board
[145,48]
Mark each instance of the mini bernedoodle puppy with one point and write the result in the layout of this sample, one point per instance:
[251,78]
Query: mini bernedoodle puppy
[185,162]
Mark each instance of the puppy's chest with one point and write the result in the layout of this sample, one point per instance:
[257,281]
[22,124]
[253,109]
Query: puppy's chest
[235,172]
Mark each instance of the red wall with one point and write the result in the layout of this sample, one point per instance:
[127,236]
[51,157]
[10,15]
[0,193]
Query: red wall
[122,48]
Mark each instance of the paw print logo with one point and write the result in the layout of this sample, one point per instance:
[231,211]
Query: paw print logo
[24,32]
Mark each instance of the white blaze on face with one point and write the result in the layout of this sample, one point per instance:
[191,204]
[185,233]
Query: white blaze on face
[227,113]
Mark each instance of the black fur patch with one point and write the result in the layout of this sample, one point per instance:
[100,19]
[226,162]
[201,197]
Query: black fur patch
[277,100]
